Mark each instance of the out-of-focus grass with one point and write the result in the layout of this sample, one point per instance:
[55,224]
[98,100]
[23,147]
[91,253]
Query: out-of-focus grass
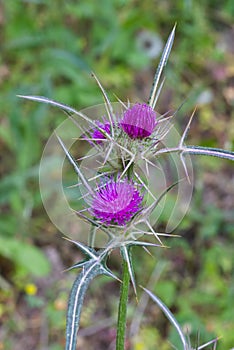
[49,48]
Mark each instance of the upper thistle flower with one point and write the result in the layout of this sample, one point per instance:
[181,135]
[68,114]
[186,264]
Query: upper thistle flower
[139,121]
[116,202]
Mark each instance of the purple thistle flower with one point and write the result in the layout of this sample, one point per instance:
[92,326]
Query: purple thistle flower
[116,202]
[97,135]
[139,121]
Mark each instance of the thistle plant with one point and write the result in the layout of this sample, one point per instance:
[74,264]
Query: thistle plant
[116,182]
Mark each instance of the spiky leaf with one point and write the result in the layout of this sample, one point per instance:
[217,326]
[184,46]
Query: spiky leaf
[90,270]
[127,256]
[208,151]
[93,266]
[163,61]
[170,317]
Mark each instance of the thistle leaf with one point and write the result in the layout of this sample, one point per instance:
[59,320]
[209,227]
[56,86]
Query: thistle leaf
[127,256]
[208,151]
[197,150]
[170,317]
[92,266]
[91,269]
[75,166]
[146,212]
[109,109]
[89,253]
[163,61]
[67,109]
[213,341]
[54,103]
[142,244]
[186,129]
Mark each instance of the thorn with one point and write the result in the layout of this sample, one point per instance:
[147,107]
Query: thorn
[185,168]
[121,102]
[75,166]
[109,109]
[148,252]
[187,129]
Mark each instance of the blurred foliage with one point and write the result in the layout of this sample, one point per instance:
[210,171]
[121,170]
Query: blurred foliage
[49,48]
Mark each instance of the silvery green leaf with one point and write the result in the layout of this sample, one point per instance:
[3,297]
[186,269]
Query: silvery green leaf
[43,99]
[96,224]
[163,61]
[90,270]
[76,167]
[141,243]
[69,110]
[109,109]
[127,256]
[208,151]
[89,253]
[213,341]
[150,209]
[197,150]
[93,266]
[170,317]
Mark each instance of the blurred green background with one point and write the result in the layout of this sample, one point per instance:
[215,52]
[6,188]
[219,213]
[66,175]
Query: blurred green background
[49,48]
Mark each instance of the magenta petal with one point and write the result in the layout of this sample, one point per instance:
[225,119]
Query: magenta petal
[116,202]
[96,135]
[139,121]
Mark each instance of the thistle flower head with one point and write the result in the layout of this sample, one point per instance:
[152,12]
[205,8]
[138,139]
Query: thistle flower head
[139,121]
[97,135]
[116,202]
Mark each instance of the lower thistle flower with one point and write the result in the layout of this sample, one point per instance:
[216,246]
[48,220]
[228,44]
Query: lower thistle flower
[116,202]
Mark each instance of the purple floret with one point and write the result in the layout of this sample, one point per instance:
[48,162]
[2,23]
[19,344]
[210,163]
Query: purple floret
[97,135]
[116,202]
[139,121]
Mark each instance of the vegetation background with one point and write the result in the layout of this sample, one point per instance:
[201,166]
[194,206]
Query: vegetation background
[49,48]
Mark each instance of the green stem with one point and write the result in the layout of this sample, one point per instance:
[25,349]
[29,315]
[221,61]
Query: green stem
[122,314]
